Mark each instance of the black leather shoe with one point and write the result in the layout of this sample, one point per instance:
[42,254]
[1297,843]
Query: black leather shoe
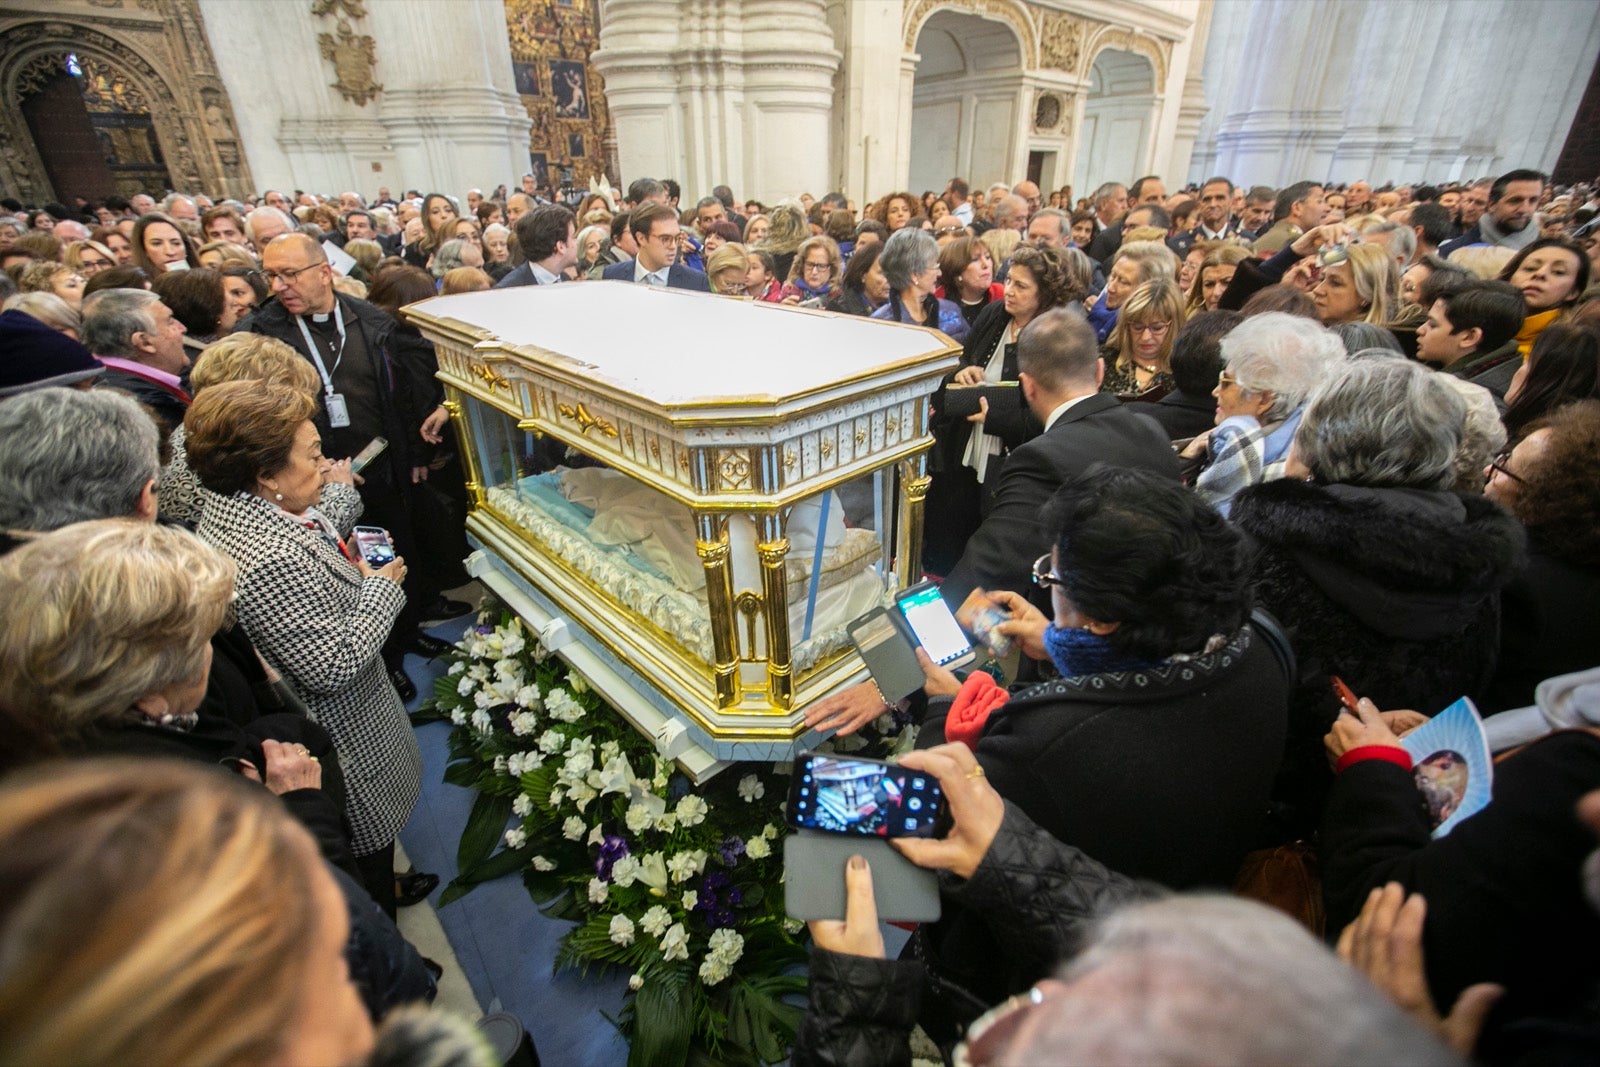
[414,888]
[444,608]
[403,684]
[428,647]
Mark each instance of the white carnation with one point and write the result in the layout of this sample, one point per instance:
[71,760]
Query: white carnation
[621,930]
[561,706]
[524,723]
[751,789]
[542,864]
[624,872]
[757,848]
[485,698]
[727,945]
[685,865]
[655,921]
[572,828]
[459,717]
[466,685]
[457,667]
[516,837]
[691,810]
[598,891]
[551,741]
[522,805]
[528,696]
[481,721]
[713,970]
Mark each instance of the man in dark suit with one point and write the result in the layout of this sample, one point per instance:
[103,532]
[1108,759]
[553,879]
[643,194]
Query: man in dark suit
[1059,368]
[545,236]
[655,228]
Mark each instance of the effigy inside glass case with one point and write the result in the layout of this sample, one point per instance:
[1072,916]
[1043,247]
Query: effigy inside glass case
[700,528]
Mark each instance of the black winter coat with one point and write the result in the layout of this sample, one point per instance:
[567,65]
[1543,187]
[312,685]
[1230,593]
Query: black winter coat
[1397,591]
[1549,625]
[1504,888]
[1035,896]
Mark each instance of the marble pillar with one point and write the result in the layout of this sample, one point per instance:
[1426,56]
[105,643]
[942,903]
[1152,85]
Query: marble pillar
[737,92]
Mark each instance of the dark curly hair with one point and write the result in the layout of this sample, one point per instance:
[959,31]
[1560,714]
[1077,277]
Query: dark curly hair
[1149,555]
[1559,498]
[1051,271]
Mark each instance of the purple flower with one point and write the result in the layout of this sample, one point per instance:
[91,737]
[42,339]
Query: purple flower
[730,850]
[720,919]
[483,630]
[612,849]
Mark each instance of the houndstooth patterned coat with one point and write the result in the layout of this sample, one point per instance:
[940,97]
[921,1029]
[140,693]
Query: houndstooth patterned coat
[180,492]
[321,625]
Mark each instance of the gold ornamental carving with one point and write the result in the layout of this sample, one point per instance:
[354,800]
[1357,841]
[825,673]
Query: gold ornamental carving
[790,461]
[490,377]
[1127,41]
[1061,43]
[353,9]
[579,414]
[354,59]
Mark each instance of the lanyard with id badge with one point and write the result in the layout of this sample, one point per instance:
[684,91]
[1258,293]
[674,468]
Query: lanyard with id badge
[338,413]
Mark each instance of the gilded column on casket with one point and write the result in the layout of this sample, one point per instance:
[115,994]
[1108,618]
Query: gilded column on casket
[773,548]
[914,487]
[711,543]
[464,442]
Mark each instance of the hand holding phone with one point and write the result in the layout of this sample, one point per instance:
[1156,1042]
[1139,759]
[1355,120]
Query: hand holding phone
[982,616]
[374,545]
[864,798]
[934,626]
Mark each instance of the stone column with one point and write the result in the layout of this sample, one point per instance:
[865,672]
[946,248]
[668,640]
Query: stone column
[707,92]
[449,104]
[871,151]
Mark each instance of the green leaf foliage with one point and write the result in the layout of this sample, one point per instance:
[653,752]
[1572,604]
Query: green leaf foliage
[485,827]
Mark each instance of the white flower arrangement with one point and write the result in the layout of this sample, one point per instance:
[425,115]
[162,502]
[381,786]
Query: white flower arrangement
[665,879]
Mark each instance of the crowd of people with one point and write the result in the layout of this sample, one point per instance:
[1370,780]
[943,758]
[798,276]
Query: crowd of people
[1258,439]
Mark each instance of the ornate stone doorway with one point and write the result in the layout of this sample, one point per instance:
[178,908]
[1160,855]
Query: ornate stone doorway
[153,105]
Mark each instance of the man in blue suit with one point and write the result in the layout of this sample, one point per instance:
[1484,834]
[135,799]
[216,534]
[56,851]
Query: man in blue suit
[545,237]
[655,229]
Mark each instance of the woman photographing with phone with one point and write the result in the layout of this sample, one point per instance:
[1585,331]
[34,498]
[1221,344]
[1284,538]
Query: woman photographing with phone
[317,611]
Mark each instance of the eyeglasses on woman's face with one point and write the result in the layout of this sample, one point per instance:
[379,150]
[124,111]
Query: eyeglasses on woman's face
[1502,463]
[818,268]
[1154,329]
[1043,575]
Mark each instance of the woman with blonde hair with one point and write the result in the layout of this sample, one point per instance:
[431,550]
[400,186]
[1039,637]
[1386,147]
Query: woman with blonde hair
[252,357]
[1139,353]
[728,268]
[57,278]
[89,258]
[163,913]
[1362,286]
[218,254]
[1215,274]
[1001,243]
[464,280]
[366,253]
[1132,265]
[787,229]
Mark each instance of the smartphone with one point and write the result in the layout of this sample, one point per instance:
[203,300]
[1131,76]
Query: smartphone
[864,797]
[374,545]
[934,626]
[374,449]
[1346,695]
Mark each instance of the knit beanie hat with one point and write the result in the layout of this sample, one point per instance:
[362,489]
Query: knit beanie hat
[33,356]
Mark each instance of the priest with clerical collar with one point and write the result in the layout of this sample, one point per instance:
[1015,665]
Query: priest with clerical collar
[377,381]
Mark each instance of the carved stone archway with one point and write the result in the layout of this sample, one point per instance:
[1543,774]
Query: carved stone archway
[1158,52]
[162,51]
[1011,12]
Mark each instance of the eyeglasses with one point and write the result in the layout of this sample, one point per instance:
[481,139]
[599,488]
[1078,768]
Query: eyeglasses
[993,1031]
[950,229]
[287,277]
[1043,576]
[1154,329]
[1499,462]
[1225,379]
[819,266]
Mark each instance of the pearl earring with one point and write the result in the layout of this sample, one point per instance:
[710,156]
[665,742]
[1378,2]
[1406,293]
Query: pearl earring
[279,496]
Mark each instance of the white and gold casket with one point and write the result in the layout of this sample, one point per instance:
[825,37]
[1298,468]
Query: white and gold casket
[691,557]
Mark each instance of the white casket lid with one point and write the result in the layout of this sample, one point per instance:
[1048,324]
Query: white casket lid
[674,348]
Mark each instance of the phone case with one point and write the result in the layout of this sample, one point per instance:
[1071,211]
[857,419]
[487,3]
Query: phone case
[962,400]
[889,653]
[813,879]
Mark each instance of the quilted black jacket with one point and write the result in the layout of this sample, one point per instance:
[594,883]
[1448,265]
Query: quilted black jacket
[1036,896]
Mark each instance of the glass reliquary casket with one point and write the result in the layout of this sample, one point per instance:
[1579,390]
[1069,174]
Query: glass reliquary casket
[689,497]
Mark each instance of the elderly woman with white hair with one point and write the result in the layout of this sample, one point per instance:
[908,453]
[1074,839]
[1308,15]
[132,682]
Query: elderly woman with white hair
[910,261]
[1381,573]
[1271,363]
